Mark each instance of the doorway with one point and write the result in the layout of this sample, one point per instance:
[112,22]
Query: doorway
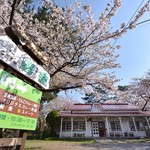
[102,129]
[95,129]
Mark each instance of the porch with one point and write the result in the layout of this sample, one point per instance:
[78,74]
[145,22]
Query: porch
[110,127]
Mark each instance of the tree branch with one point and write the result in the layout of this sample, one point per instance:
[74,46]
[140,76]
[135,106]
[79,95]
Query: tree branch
[12,12]
[58,88]
[144,105]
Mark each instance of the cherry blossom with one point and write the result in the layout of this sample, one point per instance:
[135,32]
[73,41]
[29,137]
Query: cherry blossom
[78,47]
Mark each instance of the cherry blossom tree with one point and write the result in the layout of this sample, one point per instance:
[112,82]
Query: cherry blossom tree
[124,94]
[141,88]
[59,103]
[137,92]
[78,47]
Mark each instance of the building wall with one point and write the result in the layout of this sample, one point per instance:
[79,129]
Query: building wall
[66,134]
[89,129]
[88,132]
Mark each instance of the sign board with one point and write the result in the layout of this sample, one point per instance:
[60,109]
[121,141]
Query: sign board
[22,62]
[19,103]
[16,31]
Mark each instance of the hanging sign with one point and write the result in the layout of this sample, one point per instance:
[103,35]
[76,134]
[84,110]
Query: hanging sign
[19,103]
[22,62]
[26,41]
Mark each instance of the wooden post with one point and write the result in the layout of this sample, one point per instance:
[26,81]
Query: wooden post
[42,125]
[23,135]
[135,125]
[60,135]
[1,133]
[122,129]
[147,120]
[71,127]
[85,127]
[9,142]
[107,124]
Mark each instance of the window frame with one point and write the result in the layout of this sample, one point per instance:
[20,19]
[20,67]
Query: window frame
[79,126]
[66,126]
[138,125]
[115,126]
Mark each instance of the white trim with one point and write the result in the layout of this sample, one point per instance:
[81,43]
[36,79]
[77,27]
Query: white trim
[95,129]
[133,118]
[85,127]
[61,127]
[107,126]
[147,120]
[71,127]
[120,120]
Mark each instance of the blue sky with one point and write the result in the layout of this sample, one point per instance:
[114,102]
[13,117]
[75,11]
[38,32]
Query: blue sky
[135,44]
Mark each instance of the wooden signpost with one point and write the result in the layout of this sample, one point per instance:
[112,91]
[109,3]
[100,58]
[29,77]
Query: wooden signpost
[19,107]
[19,101]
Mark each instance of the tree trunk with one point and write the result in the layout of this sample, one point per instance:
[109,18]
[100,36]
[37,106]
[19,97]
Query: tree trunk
[144,106]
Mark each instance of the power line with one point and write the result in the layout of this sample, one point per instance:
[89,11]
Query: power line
[134,13]
[131,19]
[143,22]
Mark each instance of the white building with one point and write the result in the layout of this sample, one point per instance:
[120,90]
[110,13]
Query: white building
[104,120]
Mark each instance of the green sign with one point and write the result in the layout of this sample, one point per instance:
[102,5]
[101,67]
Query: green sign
[19,103]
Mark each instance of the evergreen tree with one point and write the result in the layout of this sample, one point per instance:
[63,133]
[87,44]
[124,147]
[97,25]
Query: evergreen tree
[102,95]
[53,122]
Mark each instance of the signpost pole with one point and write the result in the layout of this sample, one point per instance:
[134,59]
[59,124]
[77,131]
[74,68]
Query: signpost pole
[23,135]
[42,128]
[19,102]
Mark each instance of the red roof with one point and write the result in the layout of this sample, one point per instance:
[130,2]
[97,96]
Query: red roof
[81,107]
[119,107]
[106,109]
[106,113]
[104,106]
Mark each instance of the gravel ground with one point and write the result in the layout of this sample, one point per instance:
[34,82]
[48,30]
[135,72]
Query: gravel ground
[105,144]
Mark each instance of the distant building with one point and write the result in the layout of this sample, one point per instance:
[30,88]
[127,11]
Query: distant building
[104,120]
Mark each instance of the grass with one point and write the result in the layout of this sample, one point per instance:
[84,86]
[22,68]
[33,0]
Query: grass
[56,143]
[138,140]
[82,140]
[54,138]
[132,140]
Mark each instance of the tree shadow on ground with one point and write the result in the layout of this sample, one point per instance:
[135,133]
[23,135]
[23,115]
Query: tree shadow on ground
[117,146]
[37,148]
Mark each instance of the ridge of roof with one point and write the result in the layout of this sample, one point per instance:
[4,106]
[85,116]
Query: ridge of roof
[104,106]
[130,113]
[101,103]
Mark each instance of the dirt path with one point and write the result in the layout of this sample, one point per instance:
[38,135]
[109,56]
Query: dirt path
[99,145]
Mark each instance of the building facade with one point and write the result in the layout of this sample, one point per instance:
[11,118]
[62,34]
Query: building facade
[104,120]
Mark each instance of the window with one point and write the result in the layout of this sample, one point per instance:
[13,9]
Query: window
[66,126]
[145,125]
[115,126]
[96,106]
[139,125]
[132,128]
[78,125]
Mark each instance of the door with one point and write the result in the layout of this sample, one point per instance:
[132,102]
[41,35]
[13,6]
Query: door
[102,131]
[95,129]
